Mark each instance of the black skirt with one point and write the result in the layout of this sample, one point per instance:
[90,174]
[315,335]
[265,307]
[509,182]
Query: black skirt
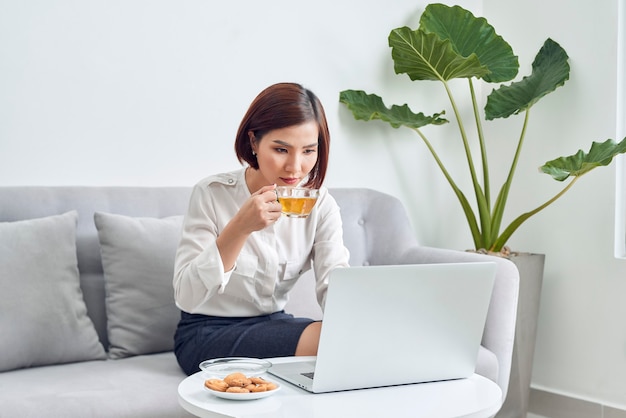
[201,337]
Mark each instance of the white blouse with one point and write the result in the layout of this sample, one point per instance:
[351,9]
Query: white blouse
[270,262]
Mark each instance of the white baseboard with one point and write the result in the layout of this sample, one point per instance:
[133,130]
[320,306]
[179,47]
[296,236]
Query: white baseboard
[546,404]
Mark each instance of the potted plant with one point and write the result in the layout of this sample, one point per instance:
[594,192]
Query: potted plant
[452,43]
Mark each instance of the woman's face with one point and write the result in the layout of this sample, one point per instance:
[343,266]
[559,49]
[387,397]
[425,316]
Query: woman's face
[285,155]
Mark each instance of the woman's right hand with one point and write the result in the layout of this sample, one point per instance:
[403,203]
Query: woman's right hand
[260,210]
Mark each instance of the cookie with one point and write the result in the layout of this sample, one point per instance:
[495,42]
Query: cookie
[237,389]
[216,384]
[258,380]
[237,379]
[257,388]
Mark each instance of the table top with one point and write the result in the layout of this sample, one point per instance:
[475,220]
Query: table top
[474,397]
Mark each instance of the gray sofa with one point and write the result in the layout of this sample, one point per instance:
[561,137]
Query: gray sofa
[87,302]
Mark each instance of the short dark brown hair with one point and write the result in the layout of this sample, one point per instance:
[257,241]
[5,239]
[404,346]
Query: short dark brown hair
[279,106]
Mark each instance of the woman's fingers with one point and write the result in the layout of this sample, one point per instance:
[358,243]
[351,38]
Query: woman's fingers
[267,194]
[267,209]
[265,190]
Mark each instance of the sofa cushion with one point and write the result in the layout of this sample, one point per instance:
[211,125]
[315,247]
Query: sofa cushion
[44,319]
[134,387]
[138,262]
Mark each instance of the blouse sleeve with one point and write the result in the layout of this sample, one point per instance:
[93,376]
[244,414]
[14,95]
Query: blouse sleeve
[198,270]
[329,251]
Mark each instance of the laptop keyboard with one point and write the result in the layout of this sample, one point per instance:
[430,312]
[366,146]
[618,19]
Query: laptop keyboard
[308,374]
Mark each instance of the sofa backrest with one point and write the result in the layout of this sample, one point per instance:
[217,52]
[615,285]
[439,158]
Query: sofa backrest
[376,227]
[18,203]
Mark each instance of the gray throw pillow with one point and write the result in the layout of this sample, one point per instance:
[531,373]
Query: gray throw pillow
[43,316]
[138,262]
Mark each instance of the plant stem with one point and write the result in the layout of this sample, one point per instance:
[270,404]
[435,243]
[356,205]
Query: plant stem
[483,148]
[467,209]
[498,209]
[483,207]
[504,237]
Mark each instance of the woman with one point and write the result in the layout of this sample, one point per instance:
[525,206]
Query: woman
[238,258]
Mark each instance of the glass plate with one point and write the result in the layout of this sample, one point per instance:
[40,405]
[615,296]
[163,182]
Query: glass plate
[222,367]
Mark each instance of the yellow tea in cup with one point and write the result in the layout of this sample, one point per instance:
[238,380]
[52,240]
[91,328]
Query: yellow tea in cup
[297,202]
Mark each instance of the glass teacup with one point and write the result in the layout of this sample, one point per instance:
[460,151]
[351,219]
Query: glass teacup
[296,202]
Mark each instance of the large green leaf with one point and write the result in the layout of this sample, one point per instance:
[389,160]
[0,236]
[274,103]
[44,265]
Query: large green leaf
[470,35]
[370,106]
[550,70]
[600,154]
[423,56]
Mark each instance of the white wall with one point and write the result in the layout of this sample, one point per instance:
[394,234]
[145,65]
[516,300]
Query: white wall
[581,346]
[150,92]
[620,127]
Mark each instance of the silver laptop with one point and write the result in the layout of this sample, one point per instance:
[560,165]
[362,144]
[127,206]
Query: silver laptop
[393,325]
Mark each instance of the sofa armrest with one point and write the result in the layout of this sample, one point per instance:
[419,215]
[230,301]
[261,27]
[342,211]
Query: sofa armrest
[499,333]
